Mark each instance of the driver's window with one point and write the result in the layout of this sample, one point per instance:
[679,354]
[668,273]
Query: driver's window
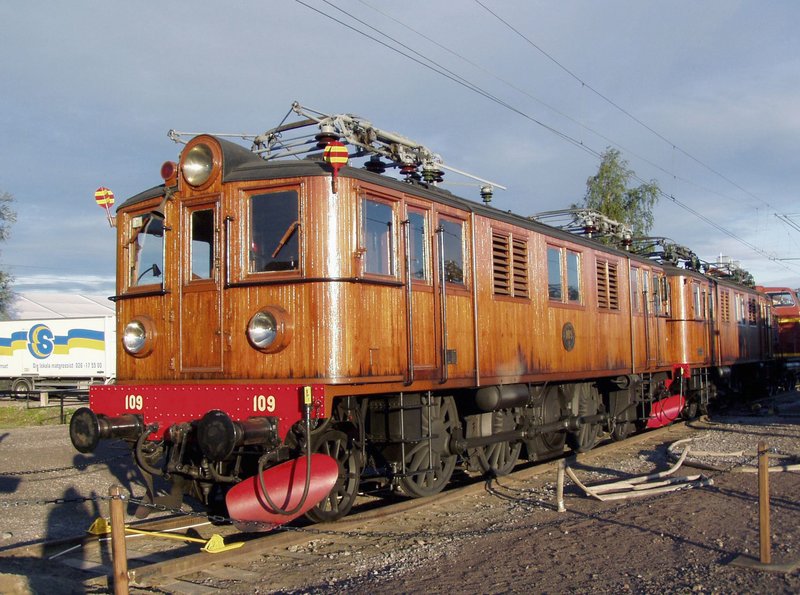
[274,232]
[146,249]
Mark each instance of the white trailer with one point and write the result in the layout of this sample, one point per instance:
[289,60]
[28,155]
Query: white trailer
[57,353]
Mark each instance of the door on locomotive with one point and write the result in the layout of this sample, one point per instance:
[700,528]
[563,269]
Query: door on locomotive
[439,303]
[201,328]
[453,311]
[420,302]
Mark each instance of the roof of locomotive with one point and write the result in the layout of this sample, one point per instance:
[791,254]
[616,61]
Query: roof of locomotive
[242,165]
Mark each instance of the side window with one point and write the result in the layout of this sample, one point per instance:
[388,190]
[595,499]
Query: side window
[453,256]
[202,244]
[418,245]
[698,312]
[274,232]
[563,275]
[743,305]
[146,255]
[554,273]
[573,277]
[657,298]
[378,233]
[664,295]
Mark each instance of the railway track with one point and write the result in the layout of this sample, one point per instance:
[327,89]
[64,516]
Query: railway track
[175,565]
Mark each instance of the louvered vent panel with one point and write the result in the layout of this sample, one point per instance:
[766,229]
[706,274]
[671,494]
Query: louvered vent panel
[725,306]
[613,287]
[602,284]
[500,264]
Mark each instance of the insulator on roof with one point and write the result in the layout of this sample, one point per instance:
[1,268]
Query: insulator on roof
[375,165]
[487,192]
[409,170]
[327,133]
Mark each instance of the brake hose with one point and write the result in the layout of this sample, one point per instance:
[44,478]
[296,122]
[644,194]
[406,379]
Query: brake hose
[278,509]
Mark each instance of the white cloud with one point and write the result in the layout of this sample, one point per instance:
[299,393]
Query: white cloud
[93,88]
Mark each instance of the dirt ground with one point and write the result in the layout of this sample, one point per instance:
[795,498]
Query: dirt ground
[508,537]
[502,536]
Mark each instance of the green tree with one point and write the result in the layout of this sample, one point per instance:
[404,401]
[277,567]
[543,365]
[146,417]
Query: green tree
[608,192]
[7,218]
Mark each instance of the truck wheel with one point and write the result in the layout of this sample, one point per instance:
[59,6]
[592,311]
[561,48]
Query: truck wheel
[21,386]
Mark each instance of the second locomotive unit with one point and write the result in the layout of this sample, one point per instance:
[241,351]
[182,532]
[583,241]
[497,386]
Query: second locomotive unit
[296,329]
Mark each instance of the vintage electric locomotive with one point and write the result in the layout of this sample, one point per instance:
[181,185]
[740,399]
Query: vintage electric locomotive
[295,329]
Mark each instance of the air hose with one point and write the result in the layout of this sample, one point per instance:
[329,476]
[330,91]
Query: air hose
[261,461]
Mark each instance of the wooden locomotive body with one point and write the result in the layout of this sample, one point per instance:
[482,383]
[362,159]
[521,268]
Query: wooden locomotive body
[274,310]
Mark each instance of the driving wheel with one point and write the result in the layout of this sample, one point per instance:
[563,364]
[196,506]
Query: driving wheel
[429,463]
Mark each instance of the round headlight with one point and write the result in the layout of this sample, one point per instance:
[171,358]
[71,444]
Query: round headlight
[134,337]
[198,164]
[262,330]
[270,329]
[137,338]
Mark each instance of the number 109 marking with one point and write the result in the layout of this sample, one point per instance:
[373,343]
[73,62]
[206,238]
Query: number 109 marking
[262,403]
[134,402]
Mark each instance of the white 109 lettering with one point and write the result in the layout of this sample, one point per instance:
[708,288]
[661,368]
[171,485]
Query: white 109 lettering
[134,402]
[262,403]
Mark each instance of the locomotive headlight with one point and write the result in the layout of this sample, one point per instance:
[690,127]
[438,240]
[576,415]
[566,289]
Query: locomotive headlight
[269,329]
[137,338]
[198,164]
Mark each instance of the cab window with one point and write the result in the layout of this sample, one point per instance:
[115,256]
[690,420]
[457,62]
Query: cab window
[147,249]
[274,232]
[782,298]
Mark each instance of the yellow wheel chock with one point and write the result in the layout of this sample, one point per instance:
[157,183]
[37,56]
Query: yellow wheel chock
[214,545]
[100,527]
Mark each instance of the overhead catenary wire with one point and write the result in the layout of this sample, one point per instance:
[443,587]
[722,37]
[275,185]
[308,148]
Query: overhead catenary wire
[438,69]
[618,107]
[670,172]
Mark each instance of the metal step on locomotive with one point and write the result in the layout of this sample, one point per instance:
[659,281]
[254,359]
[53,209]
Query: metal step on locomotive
[295,327]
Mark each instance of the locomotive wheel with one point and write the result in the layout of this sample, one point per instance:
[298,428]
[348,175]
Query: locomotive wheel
[621,430]
[691,409]
[498,458]
[549,444]
[429,464]
[339,501]
[625,424]
[585,437]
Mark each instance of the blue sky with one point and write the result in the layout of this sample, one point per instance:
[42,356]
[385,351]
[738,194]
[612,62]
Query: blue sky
[701,96]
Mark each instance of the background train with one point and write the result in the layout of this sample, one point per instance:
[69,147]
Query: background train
[786,313]
[295,329]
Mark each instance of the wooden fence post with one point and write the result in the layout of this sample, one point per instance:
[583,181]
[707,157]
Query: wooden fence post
[119,552]
[763,502]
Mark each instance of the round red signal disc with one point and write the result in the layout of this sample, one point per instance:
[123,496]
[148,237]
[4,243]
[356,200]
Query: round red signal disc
[104,197]
[336,155]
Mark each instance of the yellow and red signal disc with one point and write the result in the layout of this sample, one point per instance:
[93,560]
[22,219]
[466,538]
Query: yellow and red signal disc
[336,155]
[104,197]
